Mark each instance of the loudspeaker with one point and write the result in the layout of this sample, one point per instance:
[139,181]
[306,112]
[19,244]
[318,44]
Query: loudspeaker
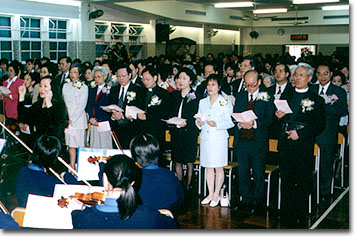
[162,32]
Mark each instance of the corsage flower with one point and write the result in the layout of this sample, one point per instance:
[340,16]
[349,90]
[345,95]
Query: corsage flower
[78,84]
[67,80]
[92,84]
[263,96]
[333,98]
[155,101]
[190,96]
[164,85]
[224,102]
[130,96]
[306,105]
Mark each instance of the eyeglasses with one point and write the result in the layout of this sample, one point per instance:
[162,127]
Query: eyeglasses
[326,73]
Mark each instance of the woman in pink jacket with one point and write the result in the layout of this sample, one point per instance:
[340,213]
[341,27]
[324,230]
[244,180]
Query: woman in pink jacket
[10,100]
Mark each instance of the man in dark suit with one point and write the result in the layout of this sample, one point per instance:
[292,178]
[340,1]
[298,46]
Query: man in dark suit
[335,107]
[251,139]
[281,90]
[64,66]
[296,146]
[201,91]
[246,64]
[156,102]
[124,94]
[135,78]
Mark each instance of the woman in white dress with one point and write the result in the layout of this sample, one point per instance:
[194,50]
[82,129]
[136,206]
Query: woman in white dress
[75,94]
[214,137]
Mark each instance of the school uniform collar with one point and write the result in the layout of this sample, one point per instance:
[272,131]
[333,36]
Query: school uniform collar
[151,167]
[110,206]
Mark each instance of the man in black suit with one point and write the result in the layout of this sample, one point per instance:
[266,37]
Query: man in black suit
[135,78]
[281,90]
[156,103]
[124,94]
[335,107]
[246,64]
[64,66]
[201,91]
[296,146]
[251,139]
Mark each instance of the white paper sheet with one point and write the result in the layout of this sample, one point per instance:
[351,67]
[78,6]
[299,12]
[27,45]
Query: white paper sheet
[133,111]
[2,144]
[104,126]
[245,116]
[43,212]
[201,117]
[283,106]
[90,171]
[112,107]
[175,120]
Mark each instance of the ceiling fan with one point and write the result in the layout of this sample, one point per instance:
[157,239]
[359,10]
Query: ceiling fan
[297,21]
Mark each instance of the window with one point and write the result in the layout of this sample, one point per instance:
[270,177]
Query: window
[58,49]
[29,27]
[117,31]
[30,50]
[57,30]
[5,35]
[100,29]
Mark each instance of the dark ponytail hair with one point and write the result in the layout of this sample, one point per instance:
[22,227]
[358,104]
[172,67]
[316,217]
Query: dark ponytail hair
[45,152]
[121,171]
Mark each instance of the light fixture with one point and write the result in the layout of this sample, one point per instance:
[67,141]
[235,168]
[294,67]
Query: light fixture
[234,5]
[314,1]
[336,7]
[267,11]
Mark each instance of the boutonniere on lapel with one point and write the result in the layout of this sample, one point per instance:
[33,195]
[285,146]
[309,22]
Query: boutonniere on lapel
[155,101]
[164,85]
[130,96]
[78,84]
[190,96]
[333,98]
[92,84]
[113,78]
[224,102]
[263,96]
[67,80]
[106,89]
[306,105]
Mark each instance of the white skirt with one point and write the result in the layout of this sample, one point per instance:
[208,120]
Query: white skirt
[214,154]
[76,140]
[100,139]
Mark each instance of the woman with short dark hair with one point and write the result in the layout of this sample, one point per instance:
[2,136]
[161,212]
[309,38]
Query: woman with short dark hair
[122,208]
[160,188]
[36,178]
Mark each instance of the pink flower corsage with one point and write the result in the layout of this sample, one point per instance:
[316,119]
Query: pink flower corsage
[103,90]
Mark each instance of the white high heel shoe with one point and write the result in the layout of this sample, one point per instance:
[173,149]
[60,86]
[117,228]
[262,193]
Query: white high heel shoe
[206,201]
[214,203]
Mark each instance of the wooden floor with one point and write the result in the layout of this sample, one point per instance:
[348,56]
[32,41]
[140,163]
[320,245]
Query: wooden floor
[194,216]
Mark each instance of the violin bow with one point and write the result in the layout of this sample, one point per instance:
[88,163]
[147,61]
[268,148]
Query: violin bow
[59,158]
[117,143]
[3,208]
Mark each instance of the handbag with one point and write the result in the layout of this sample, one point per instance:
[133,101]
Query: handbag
[292,125]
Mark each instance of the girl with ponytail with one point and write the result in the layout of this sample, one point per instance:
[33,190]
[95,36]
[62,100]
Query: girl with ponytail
[123,208]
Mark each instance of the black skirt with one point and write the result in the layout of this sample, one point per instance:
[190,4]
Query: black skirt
[183,145]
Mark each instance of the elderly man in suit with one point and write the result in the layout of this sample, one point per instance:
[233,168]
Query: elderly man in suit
[251,140]
[296,146]
[124,94]
[335,107]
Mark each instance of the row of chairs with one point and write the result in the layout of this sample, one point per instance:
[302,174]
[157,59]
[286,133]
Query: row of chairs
[270,169]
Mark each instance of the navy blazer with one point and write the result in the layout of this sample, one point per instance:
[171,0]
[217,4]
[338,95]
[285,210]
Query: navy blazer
[333,112]
[103,100]
[264,110]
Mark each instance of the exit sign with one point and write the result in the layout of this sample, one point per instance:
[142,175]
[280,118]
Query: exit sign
[299,37]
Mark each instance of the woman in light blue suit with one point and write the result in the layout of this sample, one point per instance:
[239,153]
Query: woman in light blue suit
[214,137]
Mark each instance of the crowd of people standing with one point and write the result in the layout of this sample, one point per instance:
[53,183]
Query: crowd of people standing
[67,101]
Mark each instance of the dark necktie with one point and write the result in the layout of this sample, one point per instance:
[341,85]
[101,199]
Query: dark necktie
[121,98]
[279,91]
[322,91]
[248,134]
[149,94]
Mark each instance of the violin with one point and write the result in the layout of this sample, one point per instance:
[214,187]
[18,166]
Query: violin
[88,199]
[92,159]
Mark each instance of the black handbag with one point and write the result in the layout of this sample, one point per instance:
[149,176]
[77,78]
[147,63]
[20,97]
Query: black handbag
[292,125]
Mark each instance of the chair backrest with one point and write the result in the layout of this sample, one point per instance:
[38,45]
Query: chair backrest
[2,118]
[18,214]
[273,143]
[167,136]
[341,139]
[231,141]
